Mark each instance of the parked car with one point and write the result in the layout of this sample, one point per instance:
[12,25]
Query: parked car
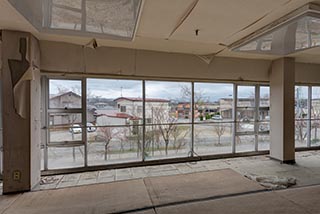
[75,129]
[91,127]
[217,117]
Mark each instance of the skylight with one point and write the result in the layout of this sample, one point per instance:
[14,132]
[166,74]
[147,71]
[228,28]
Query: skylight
[297,33]
[114,19]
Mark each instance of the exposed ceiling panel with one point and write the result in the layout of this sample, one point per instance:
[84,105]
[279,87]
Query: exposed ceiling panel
[308,56]
[144,43]
[218,20]
[159,18]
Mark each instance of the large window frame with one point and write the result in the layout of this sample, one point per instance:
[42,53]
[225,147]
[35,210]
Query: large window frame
[308,119]
[144,161]
[47,111]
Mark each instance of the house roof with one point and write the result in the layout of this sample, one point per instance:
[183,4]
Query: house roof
[65,94]
[138,99]
[120,115]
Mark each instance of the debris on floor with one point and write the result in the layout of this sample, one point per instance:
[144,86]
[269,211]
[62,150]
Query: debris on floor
[49,180]
[272,182]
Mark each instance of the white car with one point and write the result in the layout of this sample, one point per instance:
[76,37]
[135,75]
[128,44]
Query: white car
[217,117]
[75,129]
[91,127]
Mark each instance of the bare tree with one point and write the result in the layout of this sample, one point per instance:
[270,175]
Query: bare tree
[179,134]
[105,133]
[219,129]
[166,124]
[199,98]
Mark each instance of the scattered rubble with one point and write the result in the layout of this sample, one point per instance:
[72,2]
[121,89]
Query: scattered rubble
[272,182]
[49,180]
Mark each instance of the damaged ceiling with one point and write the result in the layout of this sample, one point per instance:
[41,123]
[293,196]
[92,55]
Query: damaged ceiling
[201,27]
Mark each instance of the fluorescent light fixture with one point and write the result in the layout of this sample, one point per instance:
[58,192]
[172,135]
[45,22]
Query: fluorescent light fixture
[297,31]
[111,19]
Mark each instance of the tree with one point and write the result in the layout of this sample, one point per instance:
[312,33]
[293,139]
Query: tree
[105,133]
[179,134]
[219,129]
[165,124]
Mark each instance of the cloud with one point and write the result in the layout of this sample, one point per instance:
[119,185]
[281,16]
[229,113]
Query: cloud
[113,88]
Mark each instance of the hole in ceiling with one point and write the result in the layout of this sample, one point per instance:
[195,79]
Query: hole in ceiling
[112,19]
[297,33]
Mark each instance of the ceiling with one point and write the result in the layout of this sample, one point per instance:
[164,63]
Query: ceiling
[170,26]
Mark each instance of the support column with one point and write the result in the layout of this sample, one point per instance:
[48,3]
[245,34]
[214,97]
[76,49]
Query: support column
[21,111]
[282,79]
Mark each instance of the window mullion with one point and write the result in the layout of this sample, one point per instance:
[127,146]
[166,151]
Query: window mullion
[309,116]
[234,115]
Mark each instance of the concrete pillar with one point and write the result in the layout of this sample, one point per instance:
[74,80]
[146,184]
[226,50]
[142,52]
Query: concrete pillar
[282,79]
[21,134]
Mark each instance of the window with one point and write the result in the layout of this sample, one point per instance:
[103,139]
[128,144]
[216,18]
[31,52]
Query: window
[139,110]
[307,116]
[122,109]
[148,120]
[118,135]
[220,118]
[213,118]
[64,146]
[169,133]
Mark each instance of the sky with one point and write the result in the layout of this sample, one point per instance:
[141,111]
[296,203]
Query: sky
[108,88]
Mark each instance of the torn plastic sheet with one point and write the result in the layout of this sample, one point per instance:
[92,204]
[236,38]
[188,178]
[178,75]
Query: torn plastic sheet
[272,182]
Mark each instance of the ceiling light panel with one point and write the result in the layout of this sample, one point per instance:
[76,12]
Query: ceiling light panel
[113,19]
[298,33]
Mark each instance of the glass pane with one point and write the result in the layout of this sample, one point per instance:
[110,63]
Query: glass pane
[213,101]
[301,133]
[245,115]
[65,94]
[62,18]
[301,102]
[243,127]
[263,142]
[167,141]
[65,157]
[114,102]
[65,134]
[315,103]
[115,145]
[65,127]
[113,17]
[246,96]
[213,138]
[264,96]
[264,127]
[64,119]
[168,102]
[315,133]
[245,143]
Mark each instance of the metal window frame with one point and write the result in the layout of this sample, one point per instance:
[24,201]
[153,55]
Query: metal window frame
[256,121]
[47,111]
[143,160]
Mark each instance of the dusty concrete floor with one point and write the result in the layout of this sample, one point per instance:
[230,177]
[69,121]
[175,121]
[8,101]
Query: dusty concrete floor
[205,190]
[306,170]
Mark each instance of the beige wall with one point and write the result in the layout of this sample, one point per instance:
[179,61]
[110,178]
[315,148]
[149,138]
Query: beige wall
[69,58]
